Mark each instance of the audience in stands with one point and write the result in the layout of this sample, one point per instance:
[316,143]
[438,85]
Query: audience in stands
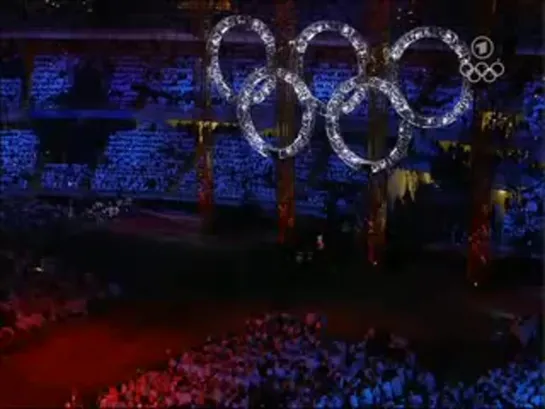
[282,362]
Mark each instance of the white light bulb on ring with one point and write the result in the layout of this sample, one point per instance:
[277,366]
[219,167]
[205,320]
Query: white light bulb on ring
[334,108]
[360,46]
[213,44]
[463,54]
[245,101]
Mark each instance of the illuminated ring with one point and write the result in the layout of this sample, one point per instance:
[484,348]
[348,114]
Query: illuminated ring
[463,53]
[496,70]
[474,77]
[468,71]
[245,102]
[490,76]
[213,45]
[334,108]
[500,68]
[360,46]
[485,72]
[262,82]
[482,69]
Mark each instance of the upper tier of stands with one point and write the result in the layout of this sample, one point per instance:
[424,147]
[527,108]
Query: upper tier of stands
[136,161]
[134,82]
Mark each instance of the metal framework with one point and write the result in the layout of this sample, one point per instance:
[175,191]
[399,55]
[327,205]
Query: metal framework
[286,129]
[482,173]
[377,189]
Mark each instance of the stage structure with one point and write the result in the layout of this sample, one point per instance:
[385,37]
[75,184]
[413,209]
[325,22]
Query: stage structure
[202,13]
[205,126]
[285,123]
[377,190]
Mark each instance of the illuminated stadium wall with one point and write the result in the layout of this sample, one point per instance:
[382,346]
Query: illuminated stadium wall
[141,161]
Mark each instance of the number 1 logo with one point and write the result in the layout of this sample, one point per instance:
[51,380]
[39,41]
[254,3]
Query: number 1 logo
[482,47]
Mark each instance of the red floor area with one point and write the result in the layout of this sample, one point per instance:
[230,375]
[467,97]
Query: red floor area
[91,353]
[153,225]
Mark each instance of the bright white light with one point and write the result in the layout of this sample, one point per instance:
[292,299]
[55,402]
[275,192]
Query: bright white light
[249,93]
[334,108]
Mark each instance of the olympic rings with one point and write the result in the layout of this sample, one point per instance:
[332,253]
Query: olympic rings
[266,78]
[333,129]
[245,101]
[462,52]
[481,71]
[301,43]
[213,46]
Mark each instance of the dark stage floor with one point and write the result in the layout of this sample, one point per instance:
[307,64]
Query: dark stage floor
[247,261]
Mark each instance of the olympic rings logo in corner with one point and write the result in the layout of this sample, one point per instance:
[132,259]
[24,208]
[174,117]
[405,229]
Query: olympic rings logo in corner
[346,97]
[482,48]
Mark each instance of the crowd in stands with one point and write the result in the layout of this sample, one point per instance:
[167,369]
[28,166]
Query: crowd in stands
[10,91]
[135,160]
[524,219]
[140,80]
[279,361]
[140,162]
[283,362]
